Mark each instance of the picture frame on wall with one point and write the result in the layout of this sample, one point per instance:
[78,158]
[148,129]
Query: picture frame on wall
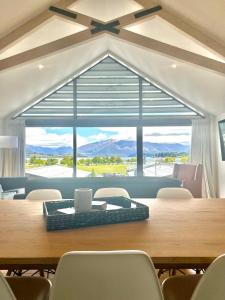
[222,138]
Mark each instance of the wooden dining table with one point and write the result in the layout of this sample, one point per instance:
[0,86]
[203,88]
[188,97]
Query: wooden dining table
[179,233]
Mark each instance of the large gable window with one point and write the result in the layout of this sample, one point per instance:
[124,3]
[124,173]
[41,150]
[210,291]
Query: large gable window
[49,152]
[108,151]
[108,90]
[164,146]
[101,123]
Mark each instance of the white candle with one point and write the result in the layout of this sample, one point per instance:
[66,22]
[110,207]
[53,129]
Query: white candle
[83,199]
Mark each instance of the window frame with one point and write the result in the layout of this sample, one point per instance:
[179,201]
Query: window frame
[109,123]
[142,119]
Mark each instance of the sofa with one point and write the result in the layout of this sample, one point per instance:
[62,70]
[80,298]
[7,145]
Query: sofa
[138,187]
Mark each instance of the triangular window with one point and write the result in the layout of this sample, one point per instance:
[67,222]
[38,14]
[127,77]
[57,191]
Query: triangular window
[109,89]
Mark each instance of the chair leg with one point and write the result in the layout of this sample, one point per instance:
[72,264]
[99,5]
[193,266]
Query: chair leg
[13,272]
[171,272]
[174,271]
[9,272]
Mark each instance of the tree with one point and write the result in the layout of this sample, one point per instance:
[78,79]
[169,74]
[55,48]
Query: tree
[81,161]
[88,161]
[112,159]
[51,161]
[93,173]
[67,161]
[132,160]
[169,159]
[119,160]
[34,160]
[184,159]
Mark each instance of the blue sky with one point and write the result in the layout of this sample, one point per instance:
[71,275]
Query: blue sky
[58,137]
[59,130]
[90,131]
[84,131]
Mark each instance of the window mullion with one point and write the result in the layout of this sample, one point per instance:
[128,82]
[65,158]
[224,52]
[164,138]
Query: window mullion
[74,151]
[74,127]
[75,98]
[140,98]
[140,134]
[139,151]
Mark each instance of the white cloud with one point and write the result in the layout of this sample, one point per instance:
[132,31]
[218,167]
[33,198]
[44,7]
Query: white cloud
[169,139]
[115,133]
[98,137]
[181,135]
[121,133]
[81,140]
[38,136]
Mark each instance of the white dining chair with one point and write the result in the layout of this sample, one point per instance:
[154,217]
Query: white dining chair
[106,275]
[111,192]
[180,287]
[212,284]
[174,193]
[5,290]
[40,194]
[44,194]
[209,286]
[26,288]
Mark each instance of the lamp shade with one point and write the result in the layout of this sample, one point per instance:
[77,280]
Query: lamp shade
[8,142]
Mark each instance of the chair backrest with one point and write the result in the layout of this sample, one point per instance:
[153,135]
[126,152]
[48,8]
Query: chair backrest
[190,177]
[44,194]
[185,172]
[29,287]
[175,193]
[111,192]
[212,283]
[106,275]
[5,290]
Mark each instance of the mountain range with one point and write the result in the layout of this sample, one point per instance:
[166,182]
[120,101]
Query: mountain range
[123,148]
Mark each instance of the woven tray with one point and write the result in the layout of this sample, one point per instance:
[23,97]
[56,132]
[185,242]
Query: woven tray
[130,211]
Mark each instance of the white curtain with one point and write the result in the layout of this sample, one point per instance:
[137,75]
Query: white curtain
[12,160]
[204,151]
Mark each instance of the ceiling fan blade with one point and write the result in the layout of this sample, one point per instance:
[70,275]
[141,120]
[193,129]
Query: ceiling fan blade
[147,11]
[63,12]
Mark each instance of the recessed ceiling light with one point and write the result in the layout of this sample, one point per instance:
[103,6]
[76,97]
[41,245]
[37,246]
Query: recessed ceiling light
[173,66]
[40,67]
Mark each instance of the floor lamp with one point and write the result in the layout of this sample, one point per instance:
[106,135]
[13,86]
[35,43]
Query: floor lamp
[8,142]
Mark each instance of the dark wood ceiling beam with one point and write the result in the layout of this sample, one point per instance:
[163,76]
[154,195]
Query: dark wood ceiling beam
[125,20]
[80,18]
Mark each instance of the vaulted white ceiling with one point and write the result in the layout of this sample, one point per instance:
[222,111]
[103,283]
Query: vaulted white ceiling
[204,89]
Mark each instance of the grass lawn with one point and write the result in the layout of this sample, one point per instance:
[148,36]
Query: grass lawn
[31,166]
[105,169]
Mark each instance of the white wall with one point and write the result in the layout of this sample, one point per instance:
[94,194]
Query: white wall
[221,164]
[1,157]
